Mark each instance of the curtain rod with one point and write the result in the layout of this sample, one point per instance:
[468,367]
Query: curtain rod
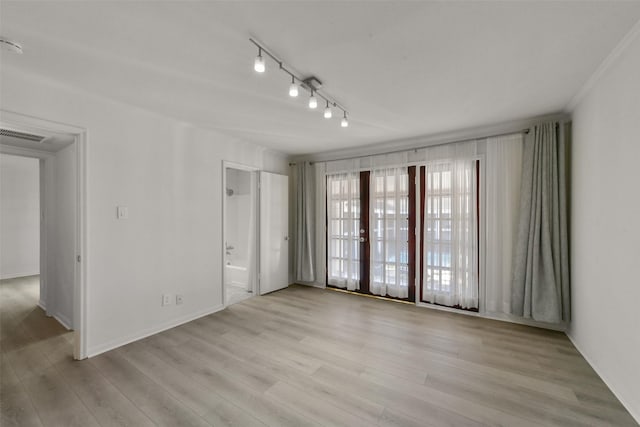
[524,131]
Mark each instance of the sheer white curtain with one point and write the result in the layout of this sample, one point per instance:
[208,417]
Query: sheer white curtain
[388,223]
[343,228]
[450,275]
[503,176]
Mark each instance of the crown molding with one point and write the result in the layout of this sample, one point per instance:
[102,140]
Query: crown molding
[602,69]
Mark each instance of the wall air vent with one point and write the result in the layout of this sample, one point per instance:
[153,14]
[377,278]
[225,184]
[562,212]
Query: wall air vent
[21,135]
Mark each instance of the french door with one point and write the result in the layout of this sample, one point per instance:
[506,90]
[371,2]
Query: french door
[371,232]
[371,220]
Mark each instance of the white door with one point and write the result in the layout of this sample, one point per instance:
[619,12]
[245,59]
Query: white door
[274,232]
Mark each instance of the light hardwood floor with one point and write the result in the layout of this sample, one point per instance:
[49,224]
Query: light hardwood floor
[301,357]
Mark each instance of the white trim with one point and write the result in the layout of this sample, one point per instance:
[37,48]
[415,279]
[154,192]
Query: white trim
[603,67]
[310,284]
[81,291]
[510,318]
[25,152]
[562,327]
[234,165]
[14,120]
[43,167]
[627,406]
[119,342]
[63,320]
[17,275]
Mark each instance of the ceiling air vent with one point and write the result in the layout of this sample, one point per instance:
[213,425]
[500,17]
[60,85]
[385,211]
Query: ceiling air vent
[21,135]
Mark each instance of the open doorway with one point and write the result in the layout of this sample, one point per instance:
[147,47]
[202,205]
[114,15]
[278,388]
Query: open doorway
[20,296]
[42,235]
[240,214]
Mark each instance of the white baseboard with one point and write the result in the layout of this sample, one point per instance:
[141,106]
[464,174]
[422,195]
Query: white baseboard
[63,320]
[18,275]
[561,327]
[635,412]
[502,317]
[312,284]
[119,342]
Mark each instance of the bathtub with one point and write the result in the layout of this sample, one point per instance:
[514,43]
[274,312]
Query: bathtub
[236,275]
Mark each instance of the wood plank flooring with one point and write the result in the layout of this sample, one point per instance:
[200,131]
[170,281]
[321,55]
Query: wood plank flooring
[300,357]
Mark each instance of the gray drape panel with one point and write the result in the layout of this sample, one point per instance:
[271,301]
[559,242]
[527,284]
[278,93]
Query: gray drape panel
[541,264]
[304,243]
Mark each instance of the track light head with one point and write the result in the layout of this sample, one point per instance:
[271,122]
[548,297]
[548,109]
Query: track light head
[327,111]
[293,89]
[313,101]
[345,122]
[258,64]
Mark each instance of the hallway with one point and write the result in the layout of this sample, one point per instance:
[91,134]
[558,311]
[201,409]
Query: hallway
[30,344]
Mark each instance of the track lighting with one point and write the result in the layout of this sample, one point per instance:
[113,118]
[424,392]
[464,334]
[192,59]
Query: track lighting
[258,64]
[310,84]
[293,89]
[327,111]
[313,101]
[344,122]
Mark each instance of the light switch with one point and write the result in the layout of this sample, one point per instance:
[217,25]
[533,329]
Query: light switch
[122,212]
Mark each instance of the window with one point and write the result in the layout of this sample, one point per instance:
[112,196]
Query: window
[450,266]
[438,228]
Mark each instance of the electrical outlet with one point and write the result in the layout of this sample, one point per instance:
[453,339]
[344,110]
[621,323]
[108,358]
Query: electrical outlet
[166,299]
[122,212]
[179,299]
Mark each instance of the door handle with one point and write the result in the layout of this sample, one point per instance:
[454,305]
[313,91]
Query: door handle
[362,240]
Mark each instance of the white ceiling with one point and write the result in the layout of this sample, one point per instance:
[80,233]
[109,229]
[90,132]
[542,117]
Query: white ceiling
[402,69]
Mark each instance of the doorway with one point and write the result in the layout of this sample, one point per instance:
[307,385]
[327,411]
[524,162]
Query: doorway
[58,151]
[20,292]
[240,215]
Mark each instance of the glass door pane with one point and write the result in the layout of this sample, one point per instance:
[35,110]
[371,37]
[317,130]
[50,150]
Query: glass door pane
[343,226]
[389,216]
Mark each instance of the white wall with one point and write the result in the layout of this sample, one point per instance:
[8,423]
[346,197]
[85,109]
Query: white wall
[19,216]
[169,175]
[605,240]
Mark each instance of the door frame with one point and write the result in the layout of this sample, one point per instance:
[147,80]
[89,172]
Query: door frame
[252,169]
[364,233]
[36,125]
